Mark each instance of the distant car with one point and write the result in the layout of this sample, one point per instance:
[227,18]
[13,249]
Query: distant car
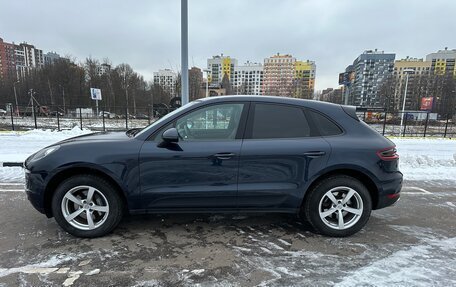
[222,154]
[107,115]
[55,113]
[141,116]
[2,112]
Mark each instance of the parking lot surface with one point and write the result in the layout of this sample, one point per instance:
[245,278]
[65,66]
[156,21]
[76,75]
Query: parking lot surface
[410,244]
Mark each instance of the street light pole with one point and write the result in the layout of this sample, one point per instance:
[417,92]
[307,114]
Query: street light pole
[207,82]
[63,98]
[15,98]
[406,71]
[184,52]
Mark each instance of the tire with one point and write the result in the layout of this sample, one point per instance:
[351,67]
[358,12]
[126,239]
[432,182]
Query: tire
[323,210]
[71,206]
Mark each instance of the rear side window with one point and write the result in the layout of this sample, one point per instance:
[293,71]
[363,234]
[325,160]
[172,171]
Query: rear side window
[324,125]
[277,121]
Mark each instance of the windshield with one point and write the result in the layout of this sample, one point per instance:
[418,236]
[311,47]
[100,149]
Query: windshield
[164,118]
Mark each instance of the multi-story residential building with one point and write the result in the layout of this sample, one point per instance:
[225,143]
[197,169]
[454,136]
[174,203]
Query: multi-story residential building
[27,58]
[332,95]
[279,71]
[7,59]
[371,69]
[50,58]
[248,79]
[304,79]
[167,80]
[103,69]
[286,76]
[443,62]
[415,68]
[218,67]
[16,60]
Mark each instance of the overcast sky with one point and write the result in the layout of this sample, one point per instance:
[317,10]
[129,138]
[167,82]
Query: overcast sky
[146,34]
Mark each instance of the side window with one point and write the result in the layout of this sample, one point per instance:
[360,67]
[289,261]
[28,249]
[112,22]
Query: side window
[278,121]
[324,125]
[216,122]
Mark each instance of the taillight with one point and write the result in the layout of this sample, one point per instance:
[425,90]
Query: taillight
[388,153]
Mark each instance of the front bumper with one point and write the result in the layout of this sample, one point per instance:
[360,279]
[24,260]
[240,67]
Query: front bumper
[34,188]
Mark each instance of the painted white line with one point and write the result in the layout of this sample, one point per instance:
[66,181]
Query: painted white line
[420,189]
[415,193]
[12,190]
[11,184]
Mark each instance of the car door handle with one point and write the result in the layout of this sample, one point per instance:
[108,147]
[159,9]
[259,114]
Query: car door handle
[224,155]
[314,154]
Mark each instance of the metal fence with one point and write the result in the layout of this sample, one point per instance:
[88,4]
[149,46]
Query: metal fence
[113,119]
[414,124]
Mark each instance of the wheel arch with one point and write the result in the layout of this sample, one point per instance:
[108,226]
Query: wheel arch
[60,176]
[358,174]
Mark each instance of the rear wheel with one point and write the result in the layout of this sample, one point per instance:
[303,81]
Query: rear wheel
[338,206]
[87,206]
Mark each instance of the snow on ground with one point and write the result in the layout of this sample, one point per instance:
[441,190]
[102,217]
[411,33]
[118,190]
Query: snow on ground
[426,158]
[420,158]
[17,146]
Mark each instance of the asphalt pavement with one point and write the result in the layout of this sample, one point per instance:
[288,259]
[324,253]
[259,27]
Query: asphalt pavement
[410,244]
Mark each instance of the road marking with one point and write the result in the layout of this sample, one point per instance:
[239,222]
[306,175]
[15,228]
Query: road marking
[11,183]
[12,190]
[420,191]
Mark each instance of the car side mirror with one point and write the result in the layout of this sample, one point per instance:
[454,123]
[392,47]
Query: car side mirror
[170,135]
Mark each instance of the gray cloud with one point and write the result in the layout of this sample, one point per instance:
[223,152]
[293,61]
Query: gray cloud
[146,34]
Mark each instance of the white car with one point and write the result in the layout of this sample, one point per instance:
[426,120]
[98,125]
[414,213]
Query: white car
[107,115]
[2,112]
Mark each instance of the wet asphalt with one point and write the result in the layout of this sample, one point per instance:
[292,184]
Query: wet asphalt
[410,244]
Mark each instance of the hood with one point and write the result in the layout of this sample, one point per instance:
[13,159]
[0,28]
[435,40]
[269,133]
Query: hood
[100,136]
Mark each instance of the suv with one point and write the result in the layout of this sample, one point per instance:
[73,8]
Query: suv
[222,154]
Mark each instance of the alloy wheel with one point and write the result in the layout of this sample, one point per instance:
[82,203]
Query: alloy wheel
[340,207]
[85,207]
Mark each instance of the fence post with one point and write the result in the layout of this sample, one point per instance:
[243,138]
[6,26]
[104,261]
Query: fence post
[446,125]
[80,117]
[384,123]
[148,116]
[12,119]
[405,123]
[126,118]
[58,120]
[364,116]
[103,117]
[426,124]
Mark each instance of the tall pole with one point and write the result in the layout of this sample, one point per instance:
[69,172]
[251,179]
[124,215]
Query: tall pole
[184,52]
[15,98]
[63,99]
[403,103]
[207,83]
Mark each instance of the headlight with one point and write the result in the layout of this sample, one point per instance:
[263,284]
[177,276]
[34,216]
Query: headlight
[44,152]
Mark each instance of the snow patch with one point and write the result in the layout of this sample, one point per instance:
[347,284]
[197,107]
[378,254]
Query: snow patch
[420,265]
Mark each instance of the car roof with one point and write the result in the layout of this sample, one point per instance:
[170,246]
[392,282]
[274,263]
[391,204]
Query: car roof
[270,99]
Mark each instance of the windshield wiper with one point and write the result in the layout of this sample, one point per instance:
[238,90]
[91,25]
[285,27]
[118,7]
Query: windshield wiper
[132,132]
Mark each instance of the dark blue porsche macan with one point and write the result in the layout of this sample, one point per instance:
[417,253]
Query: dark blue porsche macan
[222,154]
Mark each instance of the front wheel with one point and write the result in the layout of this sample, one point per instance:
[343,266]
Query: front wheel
[87,206]
[338,206]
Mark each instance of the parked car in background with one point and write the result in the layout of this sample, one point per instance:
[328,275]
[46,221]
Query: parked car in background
[55,113]
[107,115]
[2,112]
[224,154]
[141,116]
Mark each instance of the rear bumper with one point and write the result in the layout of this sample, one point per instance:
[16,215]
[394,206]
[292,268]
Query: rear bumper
[390,191]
